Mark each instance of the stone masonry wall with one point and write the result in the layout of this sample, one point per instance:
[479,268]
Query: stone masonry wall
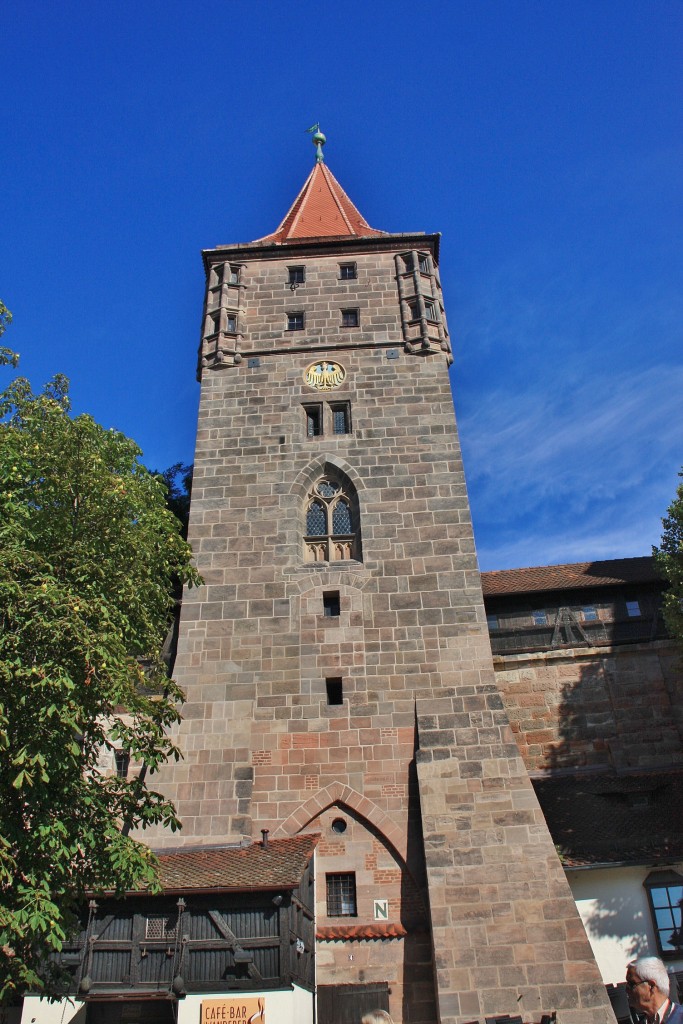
[594,707]
[262,746]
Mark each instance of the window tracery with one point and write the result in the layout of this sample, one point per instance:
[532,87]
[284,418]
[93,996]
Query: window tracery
[332,531]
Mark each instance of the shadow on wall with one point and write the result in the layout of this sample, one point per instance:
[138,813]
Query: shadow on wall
[618,916]
[617,711]
[609,736]
[419,996]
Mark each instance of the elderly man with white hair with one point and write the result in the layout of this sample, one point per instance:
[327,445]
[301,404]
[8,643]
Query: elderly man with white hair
[647,988]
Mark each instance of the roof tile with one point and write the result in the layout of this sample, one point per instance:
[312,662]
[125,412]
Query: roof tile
[360,931]
[572,576]
[608,818]
[322,209]
[280,865]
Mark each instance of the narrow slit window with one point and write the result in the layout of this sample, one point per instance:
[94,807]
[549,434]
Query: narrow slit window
[331,604]
[122,762]
[431,310]
[314,420]
[335,691]
[231,323]
[341,418]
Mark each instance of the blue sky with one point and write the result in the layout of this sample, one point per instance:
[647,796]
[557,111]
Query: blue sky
[542,138]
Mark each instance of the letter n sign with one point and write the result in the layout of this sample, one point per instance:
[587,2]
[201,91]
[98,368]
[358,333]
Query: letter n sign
[381,910]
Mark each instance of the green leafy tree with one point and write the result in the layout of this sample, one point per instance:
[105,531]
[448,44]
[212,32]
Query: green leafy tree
[88,554]
[178,480]
[669,561]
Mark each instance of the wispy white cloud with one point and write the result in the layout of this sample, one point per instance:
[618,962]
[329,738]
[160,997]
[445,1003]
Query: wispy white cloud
[559,473]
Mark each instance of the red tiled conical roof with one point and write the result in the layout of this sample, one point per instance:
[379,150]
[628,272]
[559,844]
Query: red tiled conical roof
[322,209]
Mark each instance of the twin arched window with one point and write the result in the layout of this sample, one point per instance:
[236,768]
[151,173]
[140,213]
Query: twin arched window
[332,530]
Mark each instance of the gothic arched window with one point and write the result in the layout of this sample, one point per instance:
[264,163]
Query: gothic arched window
[332,533]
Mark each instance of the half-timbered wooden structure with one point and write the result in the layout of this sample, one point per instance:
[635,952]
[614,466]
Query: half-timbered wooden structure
[233,927]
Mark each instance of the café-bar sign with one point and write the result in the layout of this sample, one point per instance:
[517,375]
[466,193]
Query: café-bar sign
[233,1010]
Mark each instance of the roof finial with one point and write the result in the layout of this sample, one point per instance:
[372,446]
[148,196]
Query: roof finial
[318,141]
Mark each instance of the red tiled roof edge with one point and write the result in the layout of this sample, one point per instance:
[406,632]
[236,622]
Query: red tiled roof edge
[360,931]
[570,576]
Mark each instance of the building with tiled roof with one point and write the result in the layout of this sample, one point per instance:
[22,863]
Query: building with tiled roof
[592,687]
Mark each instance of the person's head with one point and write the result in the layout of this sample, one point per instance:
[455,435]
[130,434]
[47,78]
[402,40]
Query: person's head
[647,983]
[377,1017]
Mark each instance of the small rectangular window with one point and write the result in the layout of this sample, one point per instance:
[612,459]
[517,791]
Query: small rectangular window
[424,263]
[350,317]
[234,275]
[297,275]
[217,274]
[539,618]
[295,321]
[231,323]
[331,605]
[347,272]
[414,308]
[161,926]
[633,609]
[341,418]
[492,621]
[122,761]
[335,691]
[589,613]
[214,323]
[431,310]
[314,420]
[408,261]
[341,895]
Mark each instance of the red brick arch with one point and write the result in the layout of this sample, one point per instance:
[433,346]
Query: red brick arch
[345,796]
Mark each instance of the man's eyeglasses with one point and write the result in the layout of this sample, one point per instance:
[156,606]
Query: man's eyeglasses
[634,984]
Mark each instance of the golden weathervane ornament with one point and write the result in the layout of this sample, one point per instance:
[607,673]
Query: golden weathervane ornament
[324,376]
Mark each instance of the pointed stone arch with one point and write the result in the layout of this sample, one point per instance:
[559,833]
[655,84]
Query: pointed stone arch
[321,465]
[338,793]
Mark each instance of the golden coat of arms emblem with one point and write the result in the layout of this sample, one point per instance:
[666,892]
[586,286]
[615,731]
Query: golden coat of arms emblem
[324,376]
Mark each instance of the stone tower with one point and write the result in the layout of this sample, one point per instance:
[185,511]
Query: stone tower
[336,661]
